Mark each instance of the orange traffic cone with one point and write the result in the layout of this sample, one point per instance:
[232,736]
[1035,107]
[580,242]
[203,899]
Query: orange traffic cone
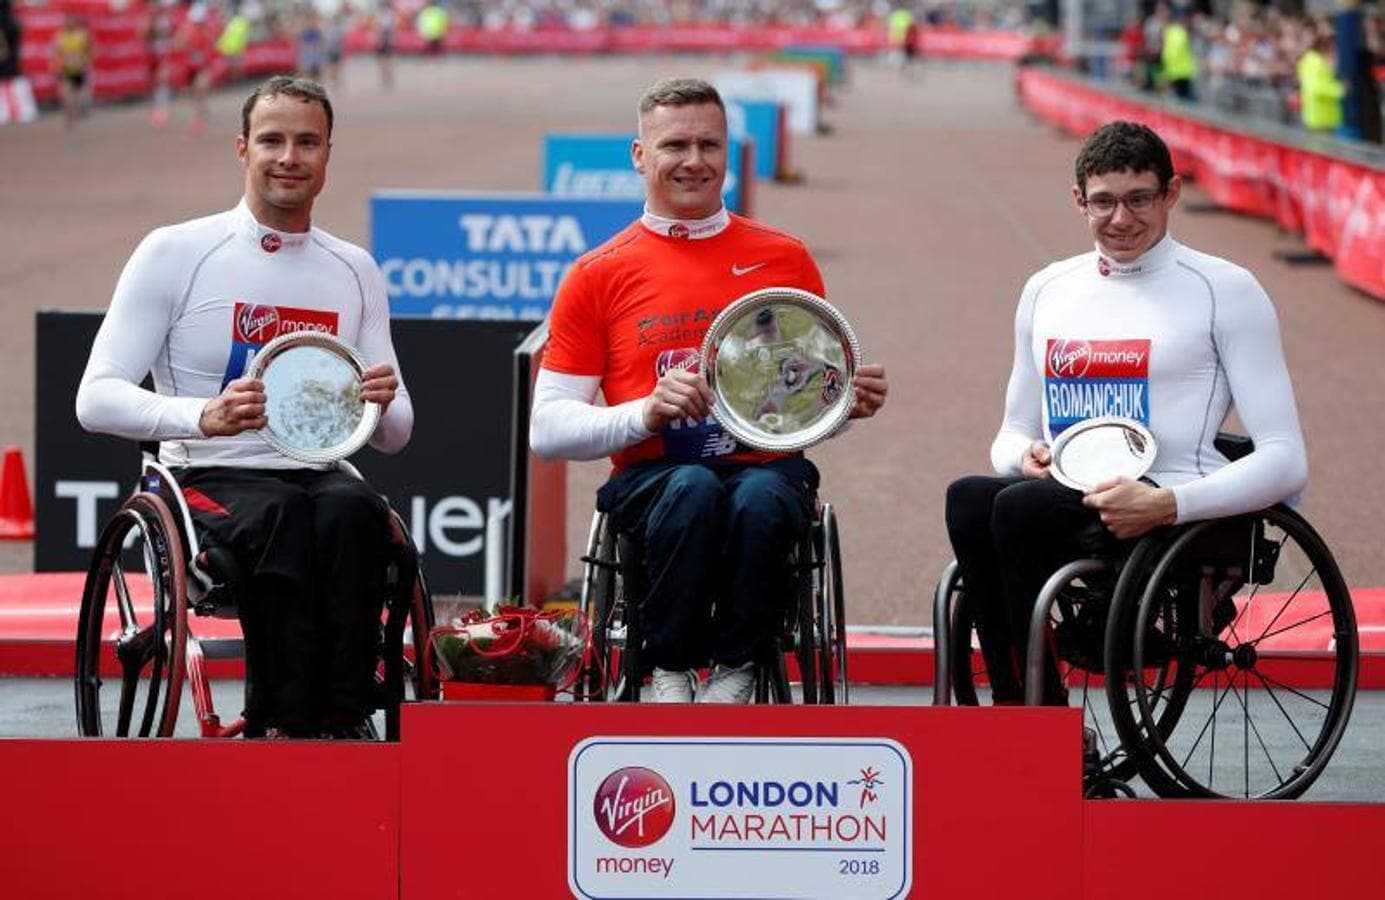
[16,509]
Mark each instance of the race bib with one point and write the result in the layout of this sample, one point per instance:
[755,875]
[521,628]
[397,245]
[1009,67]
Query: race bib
[1087,379]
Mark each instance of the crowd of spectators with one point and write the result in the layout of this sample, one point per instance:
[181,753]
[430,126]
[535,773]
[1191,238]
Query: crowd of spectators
[1261,62]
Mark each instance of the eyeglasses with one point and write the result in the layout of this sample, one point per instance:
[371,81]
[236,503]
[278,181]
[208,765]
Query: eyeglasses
[1103,206]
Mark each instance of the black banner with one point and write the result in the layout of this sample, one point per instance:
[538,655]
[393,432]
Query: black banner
[452,478]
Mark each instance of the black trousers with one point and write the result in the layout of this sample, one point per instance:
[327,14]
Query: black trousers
[1009,535]
[312,548]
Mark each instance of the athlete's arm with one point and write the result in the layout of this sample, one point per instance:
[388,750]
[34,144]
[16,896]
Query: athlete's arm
[1252,355]
[110,399]
[1014,450]
[385,383]
[566,423]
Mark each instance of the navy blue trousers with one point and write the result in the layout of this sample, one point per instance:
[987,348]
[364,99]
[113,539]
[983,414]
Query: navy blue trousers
[715,541]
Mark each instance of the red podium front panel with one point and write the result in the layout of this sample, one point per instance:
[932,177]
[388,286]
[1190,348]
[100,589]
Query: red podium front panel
[145,819]
[995,793]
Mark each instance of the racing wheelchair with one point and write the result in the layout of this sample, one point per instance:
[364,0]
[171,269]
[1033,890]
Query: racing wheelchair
[149,552]
[1252,609]
[811,625]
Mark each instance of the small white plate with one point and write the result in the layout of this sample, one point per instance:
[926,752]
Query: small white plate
[1097,450]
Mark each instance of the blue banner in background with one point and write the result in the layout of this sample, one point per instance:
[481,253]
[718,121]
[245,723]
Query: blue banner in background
[485,255]
[758,121]
[598,165]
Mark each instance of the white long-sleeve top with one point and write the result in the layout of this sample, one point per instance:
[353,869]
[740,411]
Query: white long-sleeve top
[1172,339]
[196,301]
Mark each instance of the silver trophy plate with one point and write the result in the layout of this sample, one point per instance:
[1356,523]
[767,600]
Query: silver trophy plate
[1097,450]
[781,364]
[312,384]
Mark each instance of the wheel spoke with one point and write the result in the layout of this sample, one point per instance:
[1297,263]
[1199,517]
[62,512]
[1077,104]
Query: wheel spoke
[1275,698]
[1287,601]
[1282,685]
[1326,612]
[1251,726]
[1211,720]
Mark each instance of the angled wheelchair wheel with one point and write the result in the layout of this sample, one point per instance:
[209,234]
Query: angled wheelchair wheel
[806,637]
[423,680]
[1077,624]
[830,601]
[1233,603]
[138,568]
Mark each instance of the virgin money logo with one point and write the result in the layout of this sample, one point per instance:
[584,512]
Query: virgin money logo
[271,243]
[1103,266]
[684,358]
[679,230]
[256,323]
[1069,359]
[634,807]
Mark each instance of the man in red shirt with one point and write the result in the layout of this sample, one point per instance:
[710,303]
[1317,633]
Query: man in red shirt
[629,320]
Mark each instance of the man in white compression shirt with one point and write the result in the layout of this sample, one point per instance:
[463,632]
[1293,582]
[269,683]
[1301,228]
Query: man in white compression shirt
[193,305]
[1141,327]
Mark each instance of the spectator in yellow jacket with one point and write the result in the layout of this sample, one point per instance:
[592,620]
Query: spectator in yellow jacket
[1319,92]
[1177,64]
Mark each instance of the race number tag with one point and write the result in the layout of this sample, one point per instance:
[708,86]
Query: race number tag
[739,817]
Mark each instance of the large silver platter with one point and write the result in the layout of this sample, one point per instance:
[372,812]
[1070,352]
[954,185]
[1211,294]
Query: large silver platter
[781,364]
[313,402]
[1099,449]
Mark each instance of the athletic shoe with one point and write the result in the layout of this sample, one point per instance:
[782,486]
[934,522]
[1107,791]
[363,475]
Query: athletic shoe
[673,686]
[729,684]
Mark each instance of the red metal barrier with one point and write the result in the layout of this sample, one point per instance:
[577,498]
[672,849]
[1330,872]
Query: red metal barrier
[1338,205]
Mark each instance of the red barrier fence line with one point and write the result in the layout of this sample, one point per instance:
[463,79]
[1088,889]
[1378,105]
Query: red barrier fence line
[1338,204]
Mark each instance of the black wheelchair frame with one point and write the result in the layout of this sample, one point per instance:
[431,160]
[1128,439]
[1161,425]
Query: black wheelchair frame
[812,629]
[154,657]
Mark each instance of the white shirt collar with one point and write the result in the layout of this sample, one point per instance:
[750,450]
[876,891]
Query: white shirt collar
[268,239]
[1155,257]
[692,229]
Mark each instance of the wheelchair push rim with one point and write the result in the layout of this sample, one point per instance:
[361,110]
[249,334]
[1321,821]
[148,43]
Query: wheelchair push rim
[150,649]
[1290,590]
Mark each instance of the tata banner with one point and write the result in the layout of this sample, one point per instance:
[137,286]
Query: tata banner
[740,817]
[485,255]
[761,122]
[598,165]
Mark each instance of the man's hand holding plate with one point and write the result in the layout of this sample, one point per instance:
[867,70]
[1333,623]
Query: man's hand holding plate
[1036,460]
[679,394]
[871,387]
[239,407]
[1130,508]
[379,384]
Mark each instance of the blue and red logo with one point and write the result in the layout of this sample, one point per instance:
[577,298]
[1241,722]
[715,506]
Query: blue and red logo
[1085,379]
[255,324]
[634,807]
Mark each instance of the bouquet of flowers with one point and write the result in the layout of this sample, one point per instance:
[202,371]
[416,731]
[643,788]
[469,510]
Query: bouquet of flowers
[515,645]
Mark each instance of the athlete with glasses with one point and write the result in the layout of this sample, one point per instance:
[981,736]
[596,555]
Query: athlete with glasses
[1141,327]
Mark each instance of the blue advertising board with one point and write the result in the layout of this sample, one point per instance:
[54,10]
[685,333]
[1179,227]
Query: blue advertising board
[598,165]
[485,255]
[759,121]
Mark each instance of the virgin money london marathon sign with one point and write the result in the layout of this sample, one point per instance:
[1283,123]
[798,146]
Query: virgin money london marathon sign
[598,165]
[485,256]
[739,817]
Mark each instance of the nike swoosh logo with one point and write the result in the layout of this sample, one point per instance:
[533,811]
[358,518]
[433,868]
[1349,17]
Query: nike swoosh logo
[738,271]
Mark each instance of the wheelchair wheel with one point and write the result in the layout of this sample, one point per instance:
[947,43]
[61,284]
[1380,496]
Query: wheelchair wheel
[139,554]
[610,673]
[1076,625]
[422,679]
[1225,603]
[831,612]
[805,639]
